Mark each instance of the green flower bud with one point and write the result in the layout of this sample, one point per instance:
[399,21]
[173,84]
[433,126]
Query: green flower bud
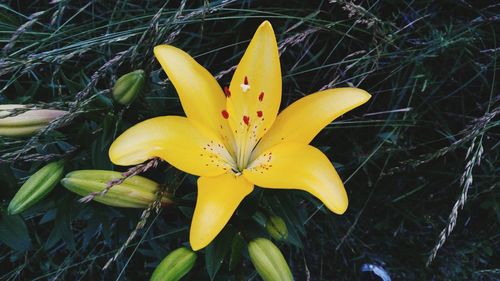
[128,86]
[268,261]
[36,187]
[276,227]
[134,192]
[26,123]
[174,266]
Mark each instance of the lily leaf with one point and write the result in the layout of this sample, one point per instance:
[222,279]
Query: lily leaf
[237,247]
[217,251]
[13,232]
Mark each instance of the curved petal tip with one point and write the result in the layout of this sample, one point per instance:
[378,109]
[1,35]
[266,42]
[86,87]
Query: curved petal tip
[160,48]
[265,26]
[366,96]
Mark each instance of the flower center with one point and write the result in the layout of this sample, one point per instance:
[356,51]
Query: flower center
[245,114]
[217,155]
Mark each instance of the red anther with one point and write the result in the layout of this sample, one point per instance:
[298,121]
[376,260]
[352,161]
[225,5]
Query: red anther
[227,92]
[246,120]
[245,81]
[225,114]
[261,96]
[259,113]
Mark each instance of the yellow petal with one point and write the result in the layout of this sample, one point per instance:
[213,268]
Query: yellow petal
[253,106]
[299,166]
[201,96]
[218,198]
[305,118]
[183,143]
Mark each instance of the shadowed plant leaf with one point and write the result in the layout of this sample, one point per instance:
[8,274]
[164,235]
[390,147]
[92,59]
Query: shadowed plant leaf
[13,232]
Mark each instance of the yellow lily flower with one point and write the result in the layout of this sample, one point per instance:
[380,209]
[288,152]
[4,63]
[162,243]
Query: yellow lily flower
[233,138]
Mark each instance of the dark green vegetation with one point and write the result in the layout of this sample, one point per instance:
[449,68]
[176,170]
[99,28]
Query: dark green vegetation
[430,66]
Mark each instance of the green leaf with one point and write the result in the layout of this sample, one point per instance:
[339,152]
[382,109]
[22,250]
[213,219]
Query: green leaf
[13,232]
[62,225]
[282,207]
[100,146]
[236,251]
[72,87]
[217,251]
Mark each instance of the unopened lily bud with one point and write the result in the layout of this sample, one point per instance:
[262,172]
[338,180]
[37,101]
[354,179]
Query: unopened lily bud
[36,187]
[26,123]
[268,261]
[128,86]
[175,265]
[134,192]
[276,227]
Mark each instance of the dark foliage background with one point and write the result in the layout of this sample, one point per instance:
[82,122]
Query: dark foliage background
[430,66]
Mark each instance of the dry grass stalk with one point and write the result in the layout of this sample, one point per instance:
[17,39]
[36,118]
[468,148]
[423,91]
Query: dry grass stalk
[473,157]
[478,127]
[466,182]
[32,19]
[134,171]
[154,206]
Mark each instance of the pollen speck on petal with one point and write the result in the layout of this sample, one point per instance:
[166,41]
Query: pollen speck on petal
[261,96]
[227,92]
[246,120]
